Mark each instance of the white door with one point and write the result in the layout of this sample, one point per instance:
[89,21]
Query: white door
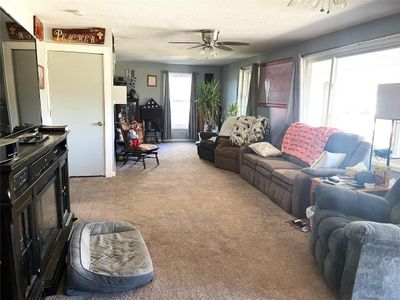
[77,99]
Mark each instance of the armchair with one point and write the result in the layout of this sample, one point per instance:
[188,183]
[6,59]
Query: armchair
[356,242]
[206,147]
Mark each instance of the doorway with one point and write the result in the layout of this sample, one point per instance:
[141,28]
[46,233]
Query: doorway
[76,88]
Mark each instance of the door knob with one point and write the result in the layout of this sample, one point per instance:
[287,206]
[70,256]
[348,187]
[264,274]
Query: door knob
[99,123]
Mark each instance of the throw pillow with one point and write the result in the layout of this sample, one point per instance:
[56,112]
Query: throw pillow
[265,149]
[227,126]
[241,130]
[258,130]
[329,160]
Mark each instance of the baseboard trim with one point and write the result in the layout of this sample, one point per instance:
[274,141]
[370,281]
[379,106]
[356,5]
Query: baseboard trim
[178,140]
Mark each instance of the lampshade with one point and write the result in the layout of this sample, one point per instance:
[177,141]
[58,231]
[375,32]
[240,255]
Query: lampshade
[119,94]
[388,101]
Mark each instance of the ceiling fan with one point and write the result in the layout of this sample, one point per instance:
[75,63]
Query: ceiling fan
[210,43]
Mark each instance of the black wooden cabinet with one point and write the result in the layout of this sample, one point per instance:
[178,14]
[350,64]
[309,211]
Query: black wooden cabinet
[36,219]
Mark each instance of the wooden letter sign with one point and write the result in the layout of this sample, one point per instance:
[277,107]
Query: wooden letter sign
[85,36]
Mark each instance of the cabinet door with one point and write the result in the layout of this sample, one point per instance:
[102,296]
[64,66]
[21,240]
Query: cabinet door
[26,246]
[64,205]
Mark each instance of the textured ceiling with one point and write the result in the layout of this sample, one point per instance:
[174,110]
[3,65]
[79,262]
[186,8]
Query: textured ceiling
[142,28]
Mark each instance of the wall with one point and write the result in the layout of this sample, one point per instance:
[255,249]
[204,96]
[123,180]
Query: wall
[25,17]
[367,31]
[142,69]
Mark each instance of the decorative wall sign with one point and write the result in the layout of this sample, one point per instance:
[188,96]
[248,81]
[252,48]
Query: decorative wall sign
[17,32]
[152,80]
[41,77]
[275,83]
[38,28]
[85,36]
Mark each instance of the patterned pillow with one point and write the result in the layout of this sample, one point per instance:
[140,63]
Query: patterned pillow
[265,149]
[259,129]
[241,130]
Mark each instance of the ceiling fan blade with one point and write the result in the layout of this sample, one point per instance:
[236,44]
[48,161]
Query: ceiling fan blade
[223,47]
[233,43]
[197,46]
[188,43]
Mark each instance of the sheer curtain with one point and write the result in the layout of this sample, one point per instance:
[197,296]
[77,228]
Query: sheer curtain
[193,110]
[167,106]
[252,103]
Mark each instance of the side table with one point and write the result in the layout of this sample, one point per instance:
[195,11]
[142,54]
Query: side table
[378,190]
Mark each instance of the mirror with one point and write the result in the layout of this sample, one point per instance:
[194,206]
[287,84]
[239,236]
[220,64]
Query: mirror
[19,85]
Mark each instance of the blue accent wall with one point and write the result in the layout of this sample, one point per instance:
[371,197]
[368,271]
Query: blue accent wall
[364,32]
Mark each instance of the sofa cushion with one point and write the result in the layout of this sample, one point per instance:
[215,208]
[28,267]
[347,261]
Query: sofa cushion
[295,160]
[207,144]
[273,163]
[337,244]
[228,152]
[264,172]
[250,159]
[286,175]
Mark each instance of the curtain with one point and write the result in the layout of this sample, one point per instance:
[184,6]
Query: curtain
[252,103]
[193,110]
[167,106]
[293,107]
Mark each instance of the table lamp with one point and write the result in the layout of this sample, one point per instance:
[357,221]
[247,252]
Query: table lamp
[387,108]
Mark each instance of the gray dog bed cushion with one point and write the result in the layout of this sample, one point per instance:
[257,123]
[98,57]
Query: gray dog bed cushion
[107,257]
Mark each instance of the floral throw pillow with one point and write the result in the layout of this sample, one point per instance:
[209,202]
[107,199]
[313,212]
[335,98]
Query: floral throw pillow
[265,149]
[259,129]
[241,130]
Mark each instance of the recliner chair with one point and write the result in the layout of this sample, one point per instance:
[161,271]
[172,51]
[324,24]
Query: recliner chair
[356,242]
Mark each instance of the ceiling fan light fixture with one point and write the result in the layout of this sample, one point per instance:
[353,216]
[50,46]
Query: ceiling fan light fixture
[324,6]
[208,51]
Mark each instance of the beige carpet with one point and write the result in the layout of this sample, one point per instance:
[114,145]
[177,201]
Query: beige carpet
[211,235]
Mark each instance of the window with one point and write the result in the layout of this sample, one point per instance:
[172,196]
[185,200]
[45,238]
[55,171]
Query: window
[243,89]
[180,85]
[341,91]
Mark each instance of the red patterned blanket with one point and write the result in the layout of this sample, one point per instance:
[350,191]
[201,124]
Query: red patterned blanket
[306,142]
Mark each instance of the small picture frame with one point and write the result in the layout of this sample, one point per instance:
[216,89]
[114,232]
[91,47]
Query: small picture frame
[38,28]
[152,80]
[41,76]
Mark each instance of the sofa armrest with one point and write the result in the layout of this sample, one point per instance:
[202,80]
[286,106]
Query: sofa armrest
[204,135]
[223,141]
[352,203]
[322,172]
[364,232]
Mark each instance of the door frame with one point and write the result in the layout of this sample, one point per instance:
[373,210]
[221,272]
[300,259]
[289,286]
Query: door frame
[106,52]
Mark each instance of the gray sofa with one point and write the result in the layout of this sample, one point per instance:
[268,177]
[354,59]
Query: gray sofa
[356,242]
[286,179]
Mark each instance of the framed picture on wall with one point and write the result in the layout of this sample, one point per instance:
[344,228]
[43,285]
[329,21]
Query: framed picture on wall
[152,80]
[275,83]
[41,76]
[38,28]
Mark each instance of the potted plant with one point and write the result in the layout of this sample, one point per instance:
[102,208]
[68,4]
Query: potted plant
[209,103]
[233,110]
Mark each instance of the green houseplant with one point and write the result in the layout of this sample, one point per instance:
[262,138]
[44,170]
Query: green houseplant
[233,110]
[209,103]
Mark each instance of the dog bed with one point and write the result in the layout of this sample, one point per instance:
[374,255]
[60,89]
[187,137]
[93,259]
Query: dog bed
[107,257]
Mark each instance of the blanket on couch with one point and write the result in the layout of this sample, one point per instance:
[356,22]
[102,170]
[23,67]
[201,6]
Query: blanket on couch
[306,142]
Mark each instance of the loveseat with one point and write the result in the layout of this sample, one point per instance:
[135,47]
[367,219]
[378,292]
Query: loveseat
[286,179]
[356,242]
